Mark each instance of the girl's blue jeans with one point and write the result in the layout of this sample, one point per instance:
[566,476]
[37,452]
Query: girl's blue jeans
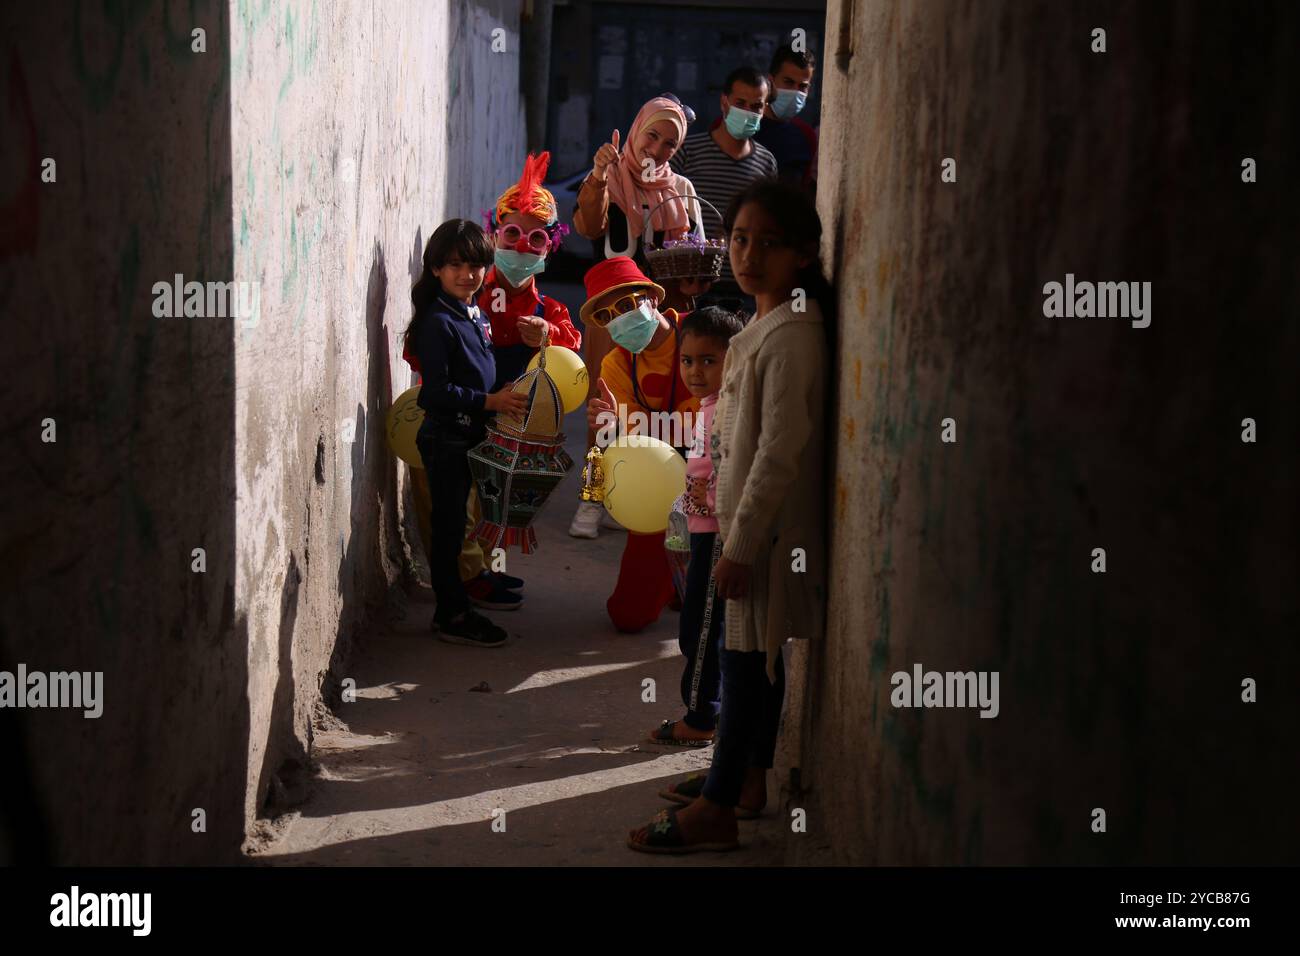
[751,716]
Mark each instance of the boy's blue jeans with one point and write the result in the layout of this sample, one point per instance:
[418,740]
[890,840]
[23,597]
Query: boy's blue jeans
[701,677]
[751,716]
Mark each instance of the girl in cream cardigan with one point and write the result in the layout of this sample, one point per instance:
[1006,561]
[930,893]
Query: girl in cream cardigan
[768,442]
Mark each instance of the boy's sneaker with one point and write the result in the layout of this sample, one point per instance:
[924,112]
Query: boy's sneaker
[607,520]
[586,520]
[506,580]
[487,591]
[472,629]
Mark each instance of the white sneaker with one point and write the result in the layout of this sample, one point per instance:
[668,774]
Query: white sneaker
[607,520]
[586,520]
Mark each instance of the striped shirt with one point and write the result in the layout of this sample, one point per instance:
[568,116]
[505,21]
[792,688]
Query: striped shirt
[718,178]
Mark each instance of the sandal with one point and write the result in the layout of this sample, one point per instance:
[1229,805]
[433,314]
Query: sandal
[666,837]
[664,736]
[684,791]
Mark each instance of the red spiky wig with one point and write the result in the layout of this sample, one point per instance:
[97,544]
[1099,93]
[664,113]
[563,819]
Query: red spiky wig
[528,196]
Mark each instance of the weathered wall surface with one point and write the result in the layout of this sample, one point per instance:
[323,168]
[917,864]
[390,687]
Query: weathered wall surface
[99,526]
[357,129]
[311,150]
[1118,690]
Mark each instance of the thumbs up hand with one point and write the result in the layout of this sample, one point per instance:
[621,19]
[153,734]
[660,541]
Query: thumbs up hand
[605,157]
[600,405]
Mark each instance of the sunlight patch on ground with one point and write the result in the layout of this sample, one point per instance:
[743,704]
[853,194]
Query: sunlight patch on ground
[563,675]
[478,807]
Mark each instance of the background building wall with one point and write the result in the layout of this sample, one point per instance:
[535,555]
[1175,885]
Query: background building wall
[1118,690]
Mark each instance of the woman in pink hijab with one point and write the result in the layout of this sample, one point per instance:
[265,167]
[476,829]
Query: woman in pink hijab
[621,189]
[623,186]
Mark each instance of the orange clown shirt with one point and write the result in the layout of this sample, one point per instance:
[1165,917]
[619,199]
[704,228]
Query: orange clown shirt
[651,381]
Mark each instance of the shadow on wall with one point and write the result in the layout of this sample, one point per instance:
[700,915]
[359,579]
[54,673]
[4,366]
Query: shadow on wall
[104,525]
[285,777]
[373,522]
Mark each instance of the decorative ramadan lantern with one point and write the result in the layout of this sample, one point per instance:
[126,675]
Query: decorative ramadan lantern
[520,462]
[593,477]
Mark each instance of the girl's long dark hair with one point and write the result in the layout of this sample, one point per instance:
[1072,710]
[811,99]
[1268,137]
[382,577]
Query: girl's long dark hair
[795,213]
[455,237]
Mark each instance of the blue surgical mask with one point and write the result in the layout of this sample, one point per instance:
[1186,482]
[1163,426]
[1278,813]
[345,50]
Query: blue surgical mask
[788,103]
[742,124]
[634,330]
[518,266]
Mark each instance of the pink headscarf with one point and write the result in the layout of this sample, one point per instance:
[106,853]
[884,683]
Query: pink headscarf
[630,191]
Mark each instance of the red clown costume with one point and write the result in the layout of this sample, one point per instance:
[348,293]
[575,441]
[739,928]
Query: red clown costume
[505,304]
[648,381]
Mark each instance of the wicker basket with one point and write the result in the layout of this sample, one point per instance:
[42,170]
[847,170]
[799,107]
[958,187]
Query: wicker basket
[694,256]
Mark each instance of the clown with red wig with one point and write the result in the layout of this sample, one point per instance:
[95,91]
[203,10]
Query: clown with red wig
[525,229]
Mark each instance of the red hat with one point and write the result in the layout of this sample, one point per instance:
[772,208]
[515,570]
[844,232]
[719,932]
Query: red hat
[618,272]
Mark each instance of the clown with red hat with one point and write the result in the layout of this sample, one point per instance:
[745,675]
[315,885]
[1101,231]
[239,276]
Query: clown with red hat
[642,373]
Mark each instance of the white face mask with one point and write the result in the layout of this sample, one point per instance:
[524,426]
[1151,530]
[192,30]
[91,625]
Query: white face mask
[634,330]
[742,124]
[788,102]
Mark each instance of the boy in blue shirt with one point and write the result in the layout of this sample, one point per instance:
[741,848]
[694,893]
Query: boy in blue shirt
[449,343]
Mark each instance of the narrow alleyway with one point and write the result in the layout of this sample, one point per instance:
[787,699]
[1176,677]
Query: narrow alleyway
[558,743]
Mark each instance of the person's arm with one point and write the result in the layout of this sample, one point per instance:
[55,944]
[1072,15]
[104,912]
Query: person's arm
[811,176]
[616,373]
[562,331]
[788,396]
[694,210]
[433,346]
[591,214]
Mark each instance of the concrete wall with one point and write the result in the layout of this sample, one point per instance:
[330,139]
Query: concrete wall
[312,149]
[99,525]
[357,129]
[1118,690]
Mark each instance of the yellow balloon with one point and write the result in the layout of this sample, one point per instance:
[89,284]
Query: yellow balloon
[404,421]
[569,374]
[643,477]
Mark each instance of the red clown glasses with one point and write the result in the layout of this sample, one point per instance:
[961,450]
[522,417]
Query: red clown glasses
[510,235]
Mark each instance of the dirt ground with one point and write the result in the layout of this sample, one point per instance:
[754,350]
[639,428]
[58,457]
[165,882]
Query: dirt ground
[558,743]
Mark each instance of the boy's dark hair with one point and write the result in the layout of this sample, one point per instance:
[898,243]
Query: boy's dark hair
[788,54]
[713,322]
[795,213]
[747,75]
[455,237]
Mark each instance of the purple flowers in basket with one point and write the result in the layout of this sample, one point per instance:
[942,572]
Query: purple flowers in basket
[694,242]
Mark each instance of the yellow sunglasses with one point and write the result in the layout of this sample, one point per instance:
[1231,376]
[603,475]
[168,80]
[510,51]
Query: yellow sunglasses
[628,303]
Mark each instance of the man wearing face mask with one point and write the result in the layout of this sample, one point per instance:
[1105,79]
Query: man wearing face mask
[643,373]
[792,141]
[724,160]
[525,229]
